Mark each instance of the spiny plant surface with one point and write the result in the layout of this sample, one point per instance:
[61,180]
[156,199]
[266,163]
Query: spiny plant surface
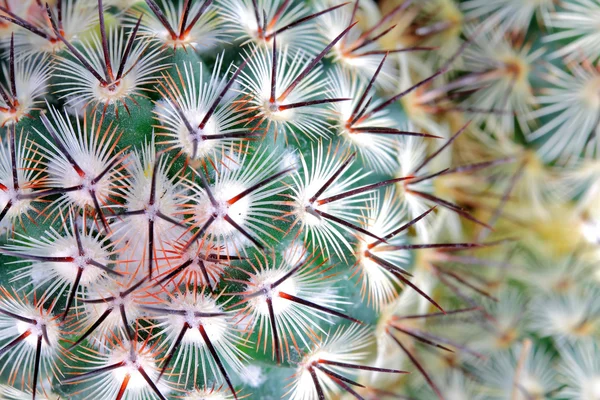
[227,199]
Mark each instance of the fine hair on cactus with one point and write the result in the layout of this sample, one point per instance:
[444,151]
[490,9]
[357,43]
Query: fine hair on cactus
[299,199]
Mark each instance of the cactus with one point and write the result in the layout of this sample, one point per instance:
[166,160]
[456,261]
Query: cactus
[227,199]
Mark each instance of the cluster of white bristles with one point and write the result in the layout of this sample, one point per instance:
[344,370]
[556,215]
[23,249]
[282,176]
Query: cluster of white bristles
[249,198]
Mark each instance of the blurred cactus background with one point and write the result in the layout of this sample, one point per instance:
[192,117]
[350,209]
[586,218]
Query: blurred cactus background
[307,200]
